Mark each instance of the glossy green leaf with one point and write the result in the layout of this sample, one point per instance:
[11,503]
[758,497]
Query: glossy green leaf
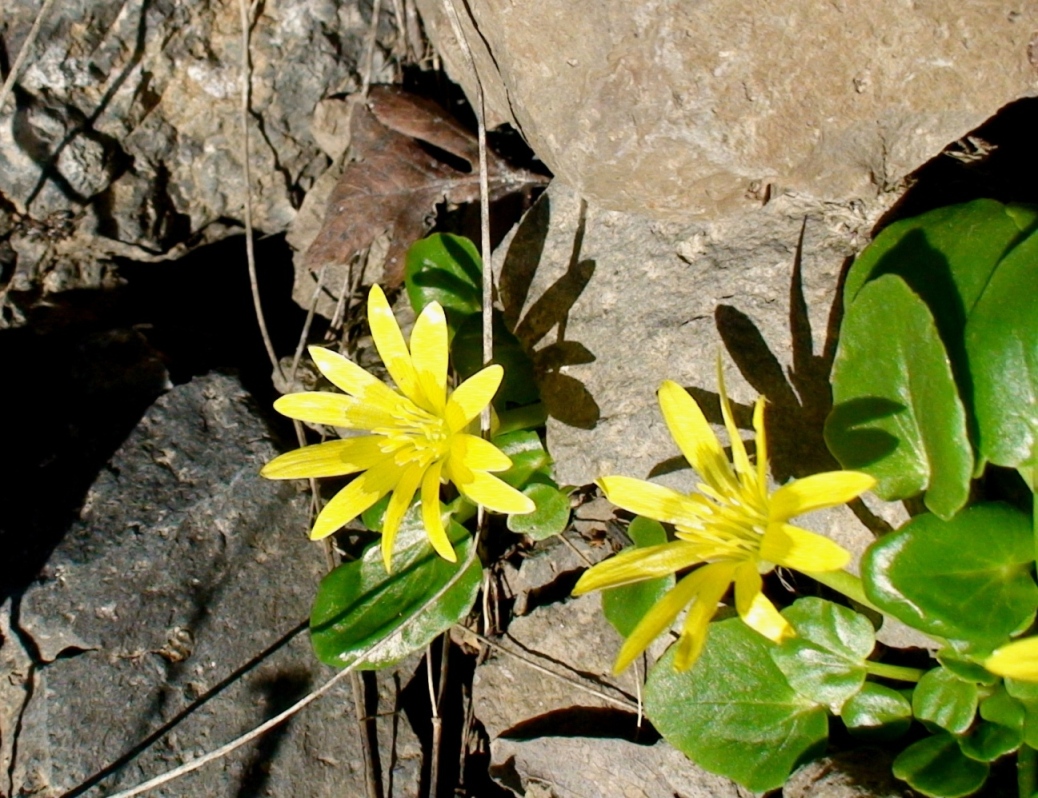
[733,712]
[445,268]
[986,742]
[625,606]
[1002,346]
[1001,730]
[877,712]
[1026,693]
[965,669]
[528,457]
[896,411]
[359,604]
[519,386]
[935,766]
[965,579]
[551,516]
[943,699]
[825,662]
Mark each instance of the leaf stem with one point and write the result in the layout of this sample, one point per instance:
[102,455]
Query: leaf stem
[899,672]
[846,583]
[1026,771]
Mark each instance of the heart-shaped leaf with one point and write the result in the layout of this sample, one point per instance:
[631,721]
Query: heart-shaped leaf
[877,712]
[966,579]
[733,712]
[896,412]
[551,516]
[825,662]
[359,604]
[1002,346]
[935,766]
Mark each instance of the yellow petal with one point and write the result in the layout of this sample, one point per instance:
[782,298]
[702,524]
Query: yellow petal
[817,492]
[329,459]
[355,498]
[429,354]
[1018,660]
[351,378]
[638,563]
[398,504]
[793,547]
[432,519]
[495,495]
[739,457]
[478,454]
[317,407]
[655,501]
[691,431]
[390,344]
[469,399]
[754,608]
[716,579]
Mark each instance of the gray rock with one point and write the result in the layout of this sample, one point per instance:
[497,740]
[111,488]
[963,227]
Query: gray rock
[549,737]
[683,110]
[123,136]
[184,566]
[861,773]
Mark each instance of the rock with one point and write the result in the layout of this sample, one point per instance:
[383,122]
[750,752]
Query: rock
[681,111]
[860,773]
[123,136]
[551,738]
[184,566]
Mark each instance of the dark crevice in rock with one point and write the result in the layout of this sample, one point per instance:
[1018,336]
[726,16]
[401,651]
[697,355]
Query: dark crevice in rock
[25,640]
[997,160]
[597,722]
[559,589]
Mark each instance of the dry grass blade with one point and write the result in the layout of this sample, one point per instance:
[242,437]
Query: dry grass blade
[394,183]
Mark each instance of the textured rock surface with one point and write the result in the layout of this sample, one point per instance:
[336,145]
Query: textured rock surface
[185,565]
[551,738]
[678,110]
[124,133]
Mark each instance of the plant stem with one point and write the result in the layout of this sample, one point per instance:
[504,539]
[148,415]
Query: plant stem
[899,672]
[846,583]
[1026,771]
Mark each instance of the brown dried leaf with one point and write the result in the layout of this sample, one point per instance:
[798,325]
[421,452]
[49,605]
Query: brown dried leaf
[394,184]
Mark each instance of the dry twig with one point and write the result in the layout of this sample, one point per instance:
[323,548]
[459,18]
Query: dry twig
[246,81]
[23,53]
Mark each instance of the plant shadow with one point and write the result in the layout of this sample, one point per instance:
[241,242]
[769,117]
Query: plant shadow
[565,397]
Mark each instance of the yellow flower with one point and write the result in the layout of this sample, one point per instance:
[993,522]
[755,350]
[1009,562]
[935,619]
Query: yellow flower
[734,527]
[418,434]
[1017,660]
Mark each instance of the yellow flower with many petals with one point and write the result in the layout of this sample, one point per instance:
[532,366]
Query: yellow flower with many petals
[1016,660]
[418,434]
[734,528]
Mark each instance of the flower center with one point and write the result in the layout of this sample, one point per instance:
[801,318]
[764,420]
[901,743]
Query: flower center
[418,438]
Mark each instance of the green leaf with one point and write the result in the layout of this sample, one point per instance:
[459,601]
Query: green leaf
[733,712]
[447,269]
[528,457]
[825,662]
[966,579]
[1000,732]
[946,256]
[896,412]
[986,742]
[1002,346]
[359,604]
[625,606]
[551,516]
[1027,694]
[965,669]
[519,386]
[945,700]
[935,766]
[877,713]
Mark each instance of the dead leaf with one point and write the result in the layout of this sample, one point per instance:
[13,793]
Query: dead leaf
[394,183]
